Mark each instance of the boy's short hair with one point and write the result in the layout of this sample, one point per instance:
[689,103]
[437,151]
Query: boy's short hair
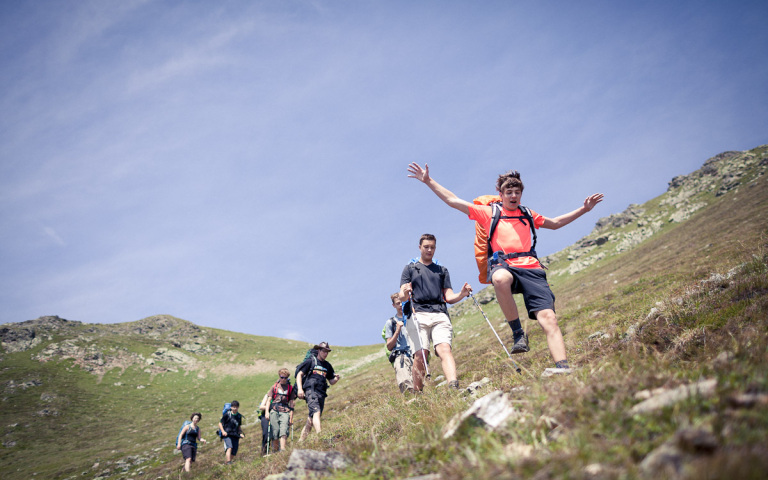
[395,297]
[283,372]
[235,403]
[511,179]
[427,236]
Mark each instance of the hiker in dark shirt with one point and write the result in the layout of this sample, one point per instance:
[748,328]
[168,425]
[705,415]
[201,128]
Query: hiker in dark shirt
[188,438]
[318,374]
[231,431]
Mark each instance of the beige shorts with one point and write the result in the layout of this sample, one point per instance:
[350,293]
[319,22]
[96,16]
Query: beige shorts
[432,327]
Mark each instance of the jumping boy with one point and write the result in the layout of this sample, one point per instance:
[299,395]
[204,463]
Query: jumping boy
[517,271]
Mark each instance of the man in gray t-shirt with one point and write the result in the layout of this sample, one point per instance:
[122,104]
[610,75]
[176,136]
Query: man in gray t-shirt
[397,343]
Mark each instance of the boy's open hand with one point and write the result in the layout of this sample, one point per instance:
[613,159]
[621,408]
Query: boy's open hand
[418,173]
[592,200]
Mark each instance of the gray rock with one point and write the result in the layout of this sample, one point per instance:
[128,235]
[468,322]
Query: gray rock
[473,387]
[704,388]
[304,464]
[492,411]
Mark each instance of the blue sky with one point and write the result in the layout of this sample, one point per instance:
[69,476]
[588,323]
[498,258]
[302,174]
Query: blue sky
[242,164]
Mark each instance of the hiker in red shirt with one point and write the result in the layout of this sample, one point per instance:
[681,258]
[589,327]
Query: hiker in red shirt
[516,268]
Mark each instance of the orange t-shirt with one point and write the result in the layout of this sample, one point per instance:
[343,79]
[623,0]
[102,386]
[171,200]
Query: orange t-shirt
[511,235]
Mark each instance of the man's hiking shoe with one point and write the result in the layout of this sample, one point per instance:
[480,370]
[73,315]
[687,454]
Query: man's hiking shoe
[550,372]
[520,345]
[453,384]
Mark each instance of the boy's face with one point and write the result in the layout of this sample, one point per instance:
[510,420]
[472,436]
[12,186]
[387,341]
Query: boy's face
[234,408]
[398,307]
[510,197]
[427,249]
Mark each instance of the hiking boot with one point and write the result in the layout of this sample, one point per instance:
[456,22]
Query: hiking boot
[453,384]
[520,345]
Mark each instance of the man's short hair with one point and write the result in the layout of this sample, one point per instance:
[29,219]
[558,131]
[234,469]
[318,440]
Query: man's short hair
[284,372]
[427,236]
[395,297]
[235,403]
[511,179]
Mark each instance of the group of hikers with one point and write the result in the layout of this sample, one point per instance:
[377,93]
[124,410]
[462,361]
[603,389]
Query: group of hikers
[313,375]
[506,255]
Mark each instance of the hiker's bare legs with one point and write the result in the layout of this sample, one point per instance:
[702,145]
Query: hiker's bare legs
[282,443]
[316,421]
[228,455]
[548,321]
[305,430]
[187,464]
[502,285]
[447,361]
[419,369]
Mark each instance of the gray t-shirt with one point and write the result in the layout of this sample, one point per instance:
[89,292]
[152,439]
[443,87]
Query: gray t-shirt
[402,339]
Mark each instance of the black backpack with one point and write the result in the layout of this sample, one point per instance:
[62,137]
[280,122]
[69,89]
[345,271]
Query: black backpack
[310,354]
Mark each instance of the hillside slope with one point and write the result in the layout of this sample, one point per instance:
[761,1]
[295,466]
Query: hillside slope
[110,397]
[660,297]
[646,315]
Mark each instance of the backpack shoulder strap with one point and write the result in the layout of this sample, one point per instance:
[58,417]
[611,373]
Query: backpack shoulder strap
[527,214]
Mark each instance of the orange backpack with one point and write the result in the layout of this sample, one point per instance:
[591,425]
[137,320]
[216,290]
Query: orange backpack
[483,242]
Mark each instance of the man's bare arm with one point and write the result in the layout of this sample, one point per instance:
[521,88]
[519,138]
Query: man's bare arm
[447,196]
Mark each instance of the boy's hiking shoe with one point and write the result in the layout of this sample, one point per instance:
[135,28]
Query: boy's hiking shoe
[520,345]
[453,384]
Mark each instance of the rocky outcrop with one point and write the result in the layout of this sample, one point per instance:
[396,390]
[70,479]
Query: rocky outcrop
[685,195]
[23,336]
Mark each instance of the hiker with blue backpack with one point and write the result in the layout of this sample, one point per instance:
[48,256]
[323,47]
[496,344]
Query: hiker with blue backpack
[230,427]
[313,376]
[187,439]
[399,346]
[512,264]
[428,287]
[279,403]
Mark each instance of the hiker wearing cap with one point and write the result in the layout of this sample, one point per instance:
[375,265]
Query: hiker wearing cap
[397,343]
[314,375]
[428,285]
[513,266]
[279,403]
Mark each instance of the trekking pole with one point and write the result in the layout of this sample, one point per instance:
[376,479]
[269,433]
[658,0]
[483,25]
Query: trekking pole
[413,317]
[269,435]
[517,367]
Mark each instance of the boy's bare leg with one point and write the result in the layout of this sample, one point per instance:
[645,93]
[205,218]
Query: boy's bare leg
[548,321]
[502,285]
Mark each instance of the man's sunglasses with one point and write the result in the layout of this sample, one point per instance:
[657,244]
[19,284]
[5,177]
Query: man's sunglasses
[284,377]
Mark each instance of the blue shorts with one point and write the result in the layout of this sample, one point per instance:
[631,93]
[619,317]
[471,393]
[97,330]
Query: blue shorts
[230,441]
[532,283]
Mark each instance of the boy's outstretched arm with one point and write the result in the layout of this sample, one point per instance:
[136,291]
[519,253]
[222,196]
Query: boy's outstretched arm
[447,196]
[565,219]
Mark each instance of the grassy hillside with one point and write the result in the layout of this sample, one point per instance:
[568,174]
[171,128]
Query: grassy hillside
[669,293]
[114,406]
